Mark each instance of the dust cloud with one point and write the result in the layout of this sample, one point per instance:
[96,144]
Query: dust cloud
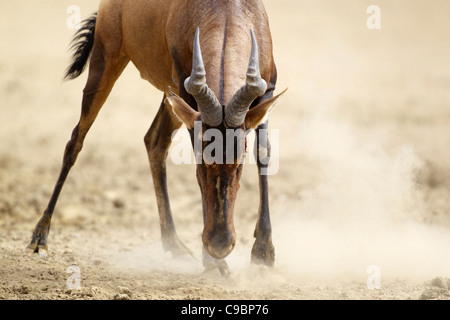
[364,207]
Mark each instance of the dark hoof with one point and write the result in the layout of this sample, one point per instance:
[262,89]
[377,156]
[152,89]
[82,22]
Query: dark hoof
[212,265]
[220,266]
[41,250]
[38,242]
[263,254]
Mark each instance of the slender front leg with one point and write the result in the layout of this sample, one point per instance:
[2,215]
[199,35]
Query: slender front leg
[263,251]
[157,141]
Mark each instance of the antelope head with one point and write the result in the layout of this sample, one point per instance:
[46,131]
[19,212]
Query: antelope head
[219,139]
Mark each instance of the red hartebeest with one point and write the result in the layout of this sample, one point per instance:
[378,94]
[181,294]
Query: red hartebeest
[225,78]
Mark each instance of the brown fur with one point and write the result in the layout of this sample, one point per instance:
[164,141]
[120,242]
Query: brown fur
[157,37]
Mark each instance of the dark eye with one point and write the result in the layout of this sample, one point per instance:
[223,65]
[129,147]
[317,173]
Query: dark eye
[209,158]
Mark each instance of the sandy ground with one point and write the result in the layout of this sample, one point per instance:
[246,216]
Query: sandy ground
[361,197]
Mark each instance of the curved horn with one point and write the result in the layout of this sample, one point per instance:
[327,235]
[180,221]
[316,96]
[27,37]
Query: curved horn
[255,86]
[208,105]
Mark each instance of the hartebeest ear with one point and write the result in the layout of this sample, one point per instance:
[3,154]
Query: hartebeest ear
[258,114]
[183,111]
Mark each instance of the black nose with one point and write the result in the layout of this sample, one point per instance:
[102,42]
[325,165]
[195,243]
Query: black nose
[219,252]
[220,246]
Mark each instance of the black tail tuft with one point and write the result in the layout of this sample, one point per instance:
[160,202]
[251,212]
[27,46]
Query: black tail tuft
[81,44]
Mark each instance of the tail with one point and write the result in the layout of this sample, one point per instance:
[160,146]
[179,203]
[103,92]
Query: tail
[81,44]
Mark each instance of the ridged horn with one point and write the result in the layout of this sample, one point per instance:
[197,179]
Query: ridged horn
[208,105]
[255,87]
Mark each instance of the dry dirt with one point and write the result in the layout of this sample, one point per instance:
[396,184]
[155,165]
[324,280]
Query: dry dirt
[363,179]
